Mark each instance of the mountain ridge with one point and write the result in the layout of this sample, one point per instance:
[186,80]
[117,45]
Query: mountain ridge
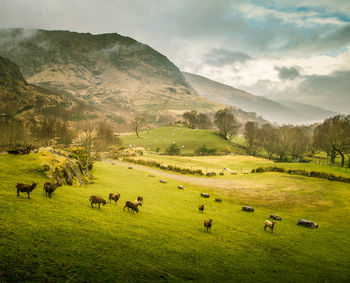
[275,111]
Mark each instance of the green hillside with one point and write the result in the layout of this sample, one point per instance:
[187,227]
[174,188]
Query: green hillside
[187,139]
[63,238]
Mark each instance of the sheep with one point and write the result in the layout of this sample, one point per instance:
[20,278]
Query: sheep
[97,199]
[201,208]
[207,224]
[25,188]
[131,205]
[269,224]
[140,198]
[205,195]
[114,197]
[50,187]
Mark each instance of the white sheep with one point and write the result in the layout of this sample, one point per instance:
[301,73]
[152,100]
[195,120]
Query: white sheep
[269,224]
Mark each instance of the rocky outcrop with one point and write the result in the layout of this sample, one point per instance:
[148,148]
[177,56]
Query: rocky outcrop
[67,166]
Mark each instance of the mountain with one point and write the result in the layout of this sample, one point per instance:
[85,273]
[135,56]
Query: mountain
[18,96]
[116,74]
[310,113]
[275,111]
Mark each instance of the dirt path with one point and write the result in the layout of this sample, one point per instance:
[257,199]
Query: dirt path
[201,181]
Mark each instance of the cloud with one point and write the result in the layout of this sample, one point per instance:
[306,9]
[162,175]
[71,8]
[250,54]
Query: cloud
[285,73]
[220,57]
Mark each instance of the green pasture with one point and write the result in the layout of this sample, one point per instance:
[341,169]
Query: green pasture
[64,239]
[187,139]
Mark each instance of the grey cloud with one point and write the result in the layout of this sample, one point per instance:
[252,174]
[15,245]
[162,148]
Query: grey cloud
[285,73]
[220,57]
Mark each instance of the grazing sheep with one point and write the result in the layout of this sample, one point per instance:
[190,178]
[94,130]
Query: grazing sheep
[275,217]
[162,181]
[307,223]
[50,187]
[201,208]
[207,224]
[140,198]
[205,195]
[25,188]
[248,208]
[131,205]
[97,199]
[269,224]
[181,187]
[114,197]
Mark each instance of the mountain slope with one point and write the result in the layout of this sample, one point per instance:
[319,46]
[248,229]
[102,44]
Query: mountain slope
[115,73]
[280,112]
[17,96]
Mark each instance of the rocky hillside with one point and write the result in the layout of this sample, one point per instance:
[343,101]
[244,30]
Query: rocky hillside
[117,74]
[17,96]
[275,111]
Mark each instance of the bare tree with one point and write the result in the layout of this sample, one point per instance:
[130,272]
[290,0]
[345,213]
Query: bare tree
[226,123]
[251,134]
[137,124]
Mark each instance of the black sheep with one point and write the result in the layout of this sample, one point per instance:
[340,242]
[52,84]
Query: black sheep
[25,188]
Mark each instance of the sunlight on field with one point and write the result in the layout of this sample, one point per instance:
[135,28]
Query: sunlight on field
[64,237]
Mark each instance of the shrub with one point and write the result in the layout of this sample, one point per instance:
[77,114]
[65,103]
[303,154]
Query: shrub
[173,149]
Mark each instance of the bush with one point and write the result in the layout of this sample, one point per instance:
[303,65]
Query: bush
[173,149]
[203,150]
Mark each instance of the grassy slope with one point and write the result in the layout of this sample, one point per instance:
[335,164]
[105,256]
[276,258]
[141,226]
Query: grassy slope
[61,238]
[163,137]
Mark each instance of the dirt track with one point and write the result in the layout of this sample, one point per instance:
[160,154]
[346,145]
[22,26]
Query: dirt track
[201,181]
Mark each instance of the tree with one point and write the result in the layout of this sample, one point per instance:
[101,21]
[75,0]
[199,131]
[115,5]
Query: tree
[300,140]
[251,134]
[173,149]
[332,136]
[268,139]
[190,118]
[203,121]
[137,124]
[226,123]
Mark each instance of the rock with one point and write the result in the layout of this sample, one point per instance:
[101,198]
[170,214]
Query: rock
[162,181]
[20,150]
[205,195]
[180,187]
[248,208]
[275,217]
[218,200]
[35,151]
[150,175]
[307,223]
[210,174]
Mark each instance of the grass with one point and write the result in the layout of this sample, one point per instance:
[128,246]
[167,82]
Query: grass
[189,139]
[63,238]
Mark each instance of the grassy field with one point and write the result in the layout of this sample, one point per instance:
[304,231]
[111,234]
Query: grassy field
[189,139]
[238,163]
[63,238]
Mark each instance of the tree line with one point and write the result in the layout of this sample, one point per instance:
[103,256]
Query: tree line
[332,137]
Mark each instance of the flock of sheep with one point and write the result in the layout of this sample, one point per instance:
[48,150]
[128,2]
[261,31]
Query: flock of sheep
[50,187]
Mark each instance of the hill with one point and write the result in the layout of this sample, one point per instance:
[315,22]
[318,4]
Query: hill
[187,139]
[274,111]
[18,96]
[117,75]
[64,239]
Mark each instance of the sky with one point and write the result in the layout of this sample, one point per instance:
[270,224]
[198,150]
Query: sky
[286,50]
